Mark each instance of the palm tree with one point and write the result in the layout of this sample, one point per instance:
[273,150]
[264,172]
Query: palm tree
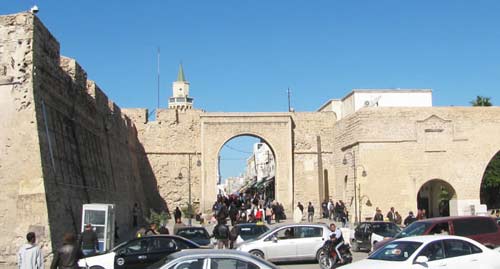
[481,101]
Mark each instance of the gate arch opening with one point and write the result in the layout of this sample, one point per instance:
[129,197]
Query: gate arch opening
[247,168]
[434,196]
[490,184]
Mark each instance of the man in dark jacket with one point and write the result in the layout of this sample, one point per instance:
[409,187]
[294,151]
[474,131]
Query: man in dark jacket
[67,256]
[221,233]
[378,215]
[89,242]
[410,219]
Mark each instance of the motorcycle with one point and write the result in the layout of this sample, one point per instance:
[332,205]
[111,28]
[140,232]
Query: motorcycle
[328,256]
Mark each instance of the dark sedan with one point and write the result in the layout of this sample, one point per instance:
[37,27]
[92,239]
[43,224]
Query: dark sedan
[138,252]
[195,234]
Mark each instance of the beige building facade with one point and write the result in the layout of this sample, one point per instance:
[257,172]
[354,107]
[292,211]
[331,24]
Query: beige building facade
[64,143]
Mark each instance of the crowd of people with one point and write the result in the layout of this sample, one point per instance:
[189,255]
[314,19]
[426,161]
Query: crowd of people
[394,216]
[247,207]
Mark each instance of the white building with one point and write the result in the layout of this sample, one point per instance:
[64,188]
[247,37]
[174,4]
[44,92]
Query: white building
[360,98]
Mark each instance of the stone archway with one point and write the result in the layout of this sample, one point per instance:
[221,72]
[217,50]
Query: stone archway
[490,186]
[434,197]
[274,128]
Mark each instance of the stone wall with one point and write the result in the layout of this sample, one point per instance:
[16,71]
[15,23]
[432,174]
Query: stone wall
[22,199]
[170,142]
[65,144]
[313,156]
[403,148]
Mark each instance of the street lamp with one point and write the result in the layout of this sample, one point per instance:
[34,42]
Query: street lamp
[190,206]
[355,169]
[361,197]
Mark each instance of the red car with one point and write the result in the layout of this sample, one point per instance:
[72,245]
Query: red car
[484,230]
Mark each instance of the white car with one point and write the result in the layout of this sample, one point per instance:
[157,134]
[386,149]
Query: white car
[289,242]
[211,259]
[430,252]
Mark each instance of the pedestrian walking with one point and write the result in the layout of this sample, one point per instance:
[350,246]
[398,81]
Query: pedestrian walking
[89,242]
[67,256]
[324,209]
[301,207]
[153,229]
[30,255]
[269,214]
[177,213]
[378,215]
[410,219]
[221,233]
[331,210]
[391,215]
[398,219]
[135,215]
[297,214]
[178,224]
[310,212]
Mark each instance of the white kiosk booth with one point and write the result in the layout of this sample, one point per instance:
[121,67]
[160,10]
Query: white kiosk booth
[102,219]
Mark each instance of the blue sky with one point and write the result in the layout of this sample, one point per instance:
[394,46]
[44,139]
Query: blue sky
[242,55]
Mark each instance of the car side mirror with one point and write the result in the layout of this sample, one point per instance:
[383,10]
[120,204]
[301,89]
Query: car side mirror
[421,260]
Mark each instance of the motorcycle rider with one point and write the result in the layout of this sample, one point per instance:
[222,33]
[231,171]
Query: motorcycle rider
[337,239]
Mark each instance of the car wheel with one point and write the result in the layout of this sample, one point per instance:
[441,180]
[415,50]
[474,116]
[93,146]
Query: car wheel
[257,253]
[96,267]
[355,246]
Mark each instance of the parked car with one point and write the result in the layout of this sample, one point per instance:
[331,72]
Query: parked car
[368,233]
[431,251]
[199,235]
[212,259]
[248,231]
[289,242]
[482,229]
[138,252]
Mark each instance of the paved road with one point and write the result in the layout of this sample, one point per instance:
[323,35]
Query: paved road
[356,255]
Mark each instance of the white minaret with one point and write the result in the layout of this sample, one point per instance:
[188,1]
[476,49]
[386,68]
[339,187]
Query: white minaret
[180,93]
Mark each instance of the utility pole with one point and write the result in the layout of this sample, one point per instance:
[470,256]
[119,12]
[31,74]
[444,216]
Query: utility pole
[289,93]
[158,79]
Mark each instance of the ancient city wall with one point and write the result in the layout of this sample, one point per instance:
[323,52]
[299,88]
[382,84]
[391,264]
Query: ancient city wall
[313,135]
[170,142]
[403,148]
[22,199]
[63,143]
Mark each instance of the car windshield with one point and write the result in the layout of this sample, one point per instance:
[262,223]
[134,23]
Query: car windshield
[396,251]
[385,229]
[247,232]
[416,228]
[193,233]
[269,232]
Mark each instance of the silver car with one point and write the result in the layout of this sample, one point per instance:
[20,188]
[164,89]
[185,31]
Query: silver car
[289,242]
[212,259]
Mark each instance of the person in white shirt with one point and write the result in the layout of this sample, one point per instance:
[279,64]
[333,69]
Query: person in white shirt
[330,209]
[30,255]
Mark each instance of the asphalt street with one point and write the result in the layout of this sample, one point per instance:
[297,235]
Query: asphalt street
[314,265]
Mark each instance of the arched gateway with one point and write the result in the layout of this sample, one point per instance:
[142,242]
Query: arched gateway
[274,128]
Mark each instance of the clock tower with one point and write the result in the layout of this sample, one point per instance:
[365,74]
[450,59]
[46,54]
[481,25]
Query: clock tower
[180,99]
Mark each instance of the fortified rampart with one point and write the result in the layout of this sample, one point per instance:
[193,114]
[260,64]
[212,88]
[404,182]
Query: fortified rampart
[63,143]
[401,149]
[170,142]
